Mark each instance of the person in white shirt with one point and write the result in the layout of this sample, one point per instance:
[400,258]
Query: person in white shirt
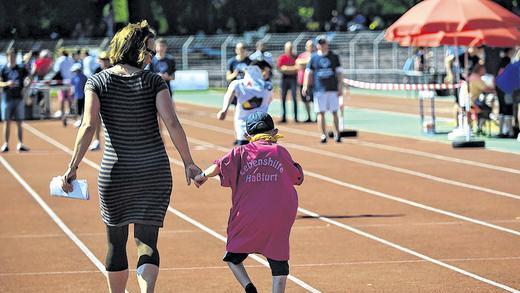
[253,94]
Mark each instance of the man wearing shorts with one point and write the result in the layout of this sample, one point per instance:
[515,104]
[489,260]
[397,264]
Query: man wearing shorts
[12,78]
[324,73]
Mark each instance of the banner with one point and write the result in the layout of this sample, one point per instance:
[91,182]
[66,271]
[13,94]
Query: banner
[190,80]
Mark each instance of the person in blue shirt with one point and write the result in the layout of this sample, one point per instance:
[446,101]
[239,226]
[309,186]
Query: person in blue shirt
[237,64]
[13,79]
[78,81]
[163,63]
[324,73]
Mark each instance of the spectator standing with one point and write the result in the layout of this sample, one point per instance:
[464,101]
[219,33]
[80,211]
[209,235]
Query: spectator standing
[104,63]
[287,66]
[163,63]
[505,101]
[324,73]
[237,64]
[89,63]
[302,61]
[62,67]
[13,80]
[261,54]
[78,81]
[42,65]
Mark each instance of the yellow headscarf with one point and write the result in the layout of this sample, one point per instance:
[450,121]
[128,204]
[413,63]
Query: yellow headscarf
[266,137]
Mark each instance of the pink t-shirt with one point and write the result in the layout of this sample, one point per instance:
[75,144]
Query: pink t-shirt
[301,72]
[262,176]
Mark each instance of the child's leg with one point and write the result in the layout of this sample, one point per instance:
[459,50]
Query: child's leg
[234,261]
[279,270]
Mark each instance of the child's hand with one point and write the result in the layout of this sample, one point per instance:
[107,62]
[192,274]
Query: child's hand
[200,179]
[221,115]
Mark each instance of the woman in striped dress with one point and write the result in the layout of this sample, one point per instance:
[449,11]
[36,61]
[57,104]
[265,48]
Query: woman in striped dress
[135,180]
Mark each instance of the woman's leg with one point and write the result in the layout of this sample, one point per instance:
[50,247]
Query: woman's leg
[279,270]
[116,261]
[148,263]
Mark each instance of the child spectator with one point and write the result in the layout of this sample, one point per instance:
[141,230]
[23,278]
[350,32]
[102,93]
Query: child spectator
[262,176]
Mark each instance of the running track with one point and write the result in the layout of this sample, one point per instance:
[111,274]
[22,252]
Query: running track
[377,214]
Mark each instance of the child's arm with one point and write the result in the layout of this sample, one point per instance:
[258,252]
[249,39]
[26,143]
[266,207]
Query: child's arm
[211,171]
[299,180]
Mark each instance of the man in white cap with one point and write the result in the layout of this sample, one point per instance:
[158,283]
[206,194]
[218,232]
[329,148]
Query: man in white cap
[324,73]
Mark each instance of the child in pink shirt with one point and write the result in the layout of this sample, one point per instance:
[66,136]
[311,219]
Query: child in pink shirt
[262,176]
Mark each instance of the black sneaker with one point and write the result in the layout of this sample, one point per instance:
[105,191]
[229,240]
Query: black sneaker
[4,148]
[337,138]
[323,138]
[309,120]
[283,120]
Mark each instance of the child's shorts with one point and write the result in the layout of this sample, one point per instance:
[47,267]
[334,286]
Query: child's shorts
[278,267]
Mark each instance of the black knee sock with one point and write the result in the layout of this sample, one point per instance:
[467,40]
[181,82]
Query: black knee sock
[250,288]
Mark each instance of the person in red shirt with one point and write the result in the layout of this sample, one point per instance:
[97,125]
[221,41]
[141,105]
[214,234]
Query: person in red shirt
[287,66]
[42,65]
[302,61]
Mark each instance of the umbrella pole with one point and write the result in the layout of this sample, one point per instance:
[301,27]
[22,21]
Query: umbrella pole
[467,106]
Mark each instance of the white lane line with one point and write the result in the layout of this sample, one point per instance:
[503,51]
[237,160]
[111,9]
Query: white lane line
[172,210]
[381,194]
[391,148]
[55,217]
[398,247]
[222,238]
[309,265]
[315,175]
[340,225]
[368,163]
[407,250]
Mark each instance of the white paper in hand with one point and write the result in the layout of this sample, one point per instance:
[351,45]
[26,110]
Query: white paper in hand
[79,189]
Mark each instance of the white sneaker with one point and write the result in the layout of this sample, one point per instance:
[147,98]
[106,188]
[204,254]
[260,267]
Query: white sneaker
[21,148]
[94,146]
[518,137]
[77,124]
[57,114]
[4,148]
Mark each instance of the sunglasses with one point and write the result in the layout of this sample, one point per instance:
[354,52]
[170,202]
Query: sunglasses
[151,52]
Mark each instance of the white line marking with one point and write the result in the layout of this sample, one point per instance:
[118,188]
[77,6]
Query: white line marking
[370,163]
[407,250]
[393,148]
[55,217]
[348,228]
[383,195]
[176,212]
[310,265]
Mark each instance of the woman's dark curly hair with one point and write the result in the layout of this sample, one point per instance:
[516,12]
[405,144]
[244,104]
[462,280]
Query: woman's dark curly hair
[128,46]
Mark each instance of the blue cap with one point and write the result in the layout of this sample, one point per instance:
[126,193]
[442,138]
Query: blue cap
[259,122]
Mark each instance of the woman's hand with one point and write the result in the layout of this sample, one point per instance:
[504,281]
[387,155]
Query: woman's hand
[67,178]
[191,171]
[200,179]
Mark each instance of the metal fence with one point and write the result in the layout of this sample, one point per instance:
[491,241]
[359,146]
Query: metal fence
[365,55]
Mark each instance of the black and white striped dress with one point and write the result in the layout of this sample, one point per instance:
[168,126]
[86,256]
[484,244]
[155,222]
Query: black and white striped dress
[135,180]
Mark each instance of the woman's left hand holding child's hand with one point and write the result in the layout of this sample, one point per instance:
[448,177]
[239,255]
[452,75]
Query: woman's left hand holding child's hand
[200,179]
